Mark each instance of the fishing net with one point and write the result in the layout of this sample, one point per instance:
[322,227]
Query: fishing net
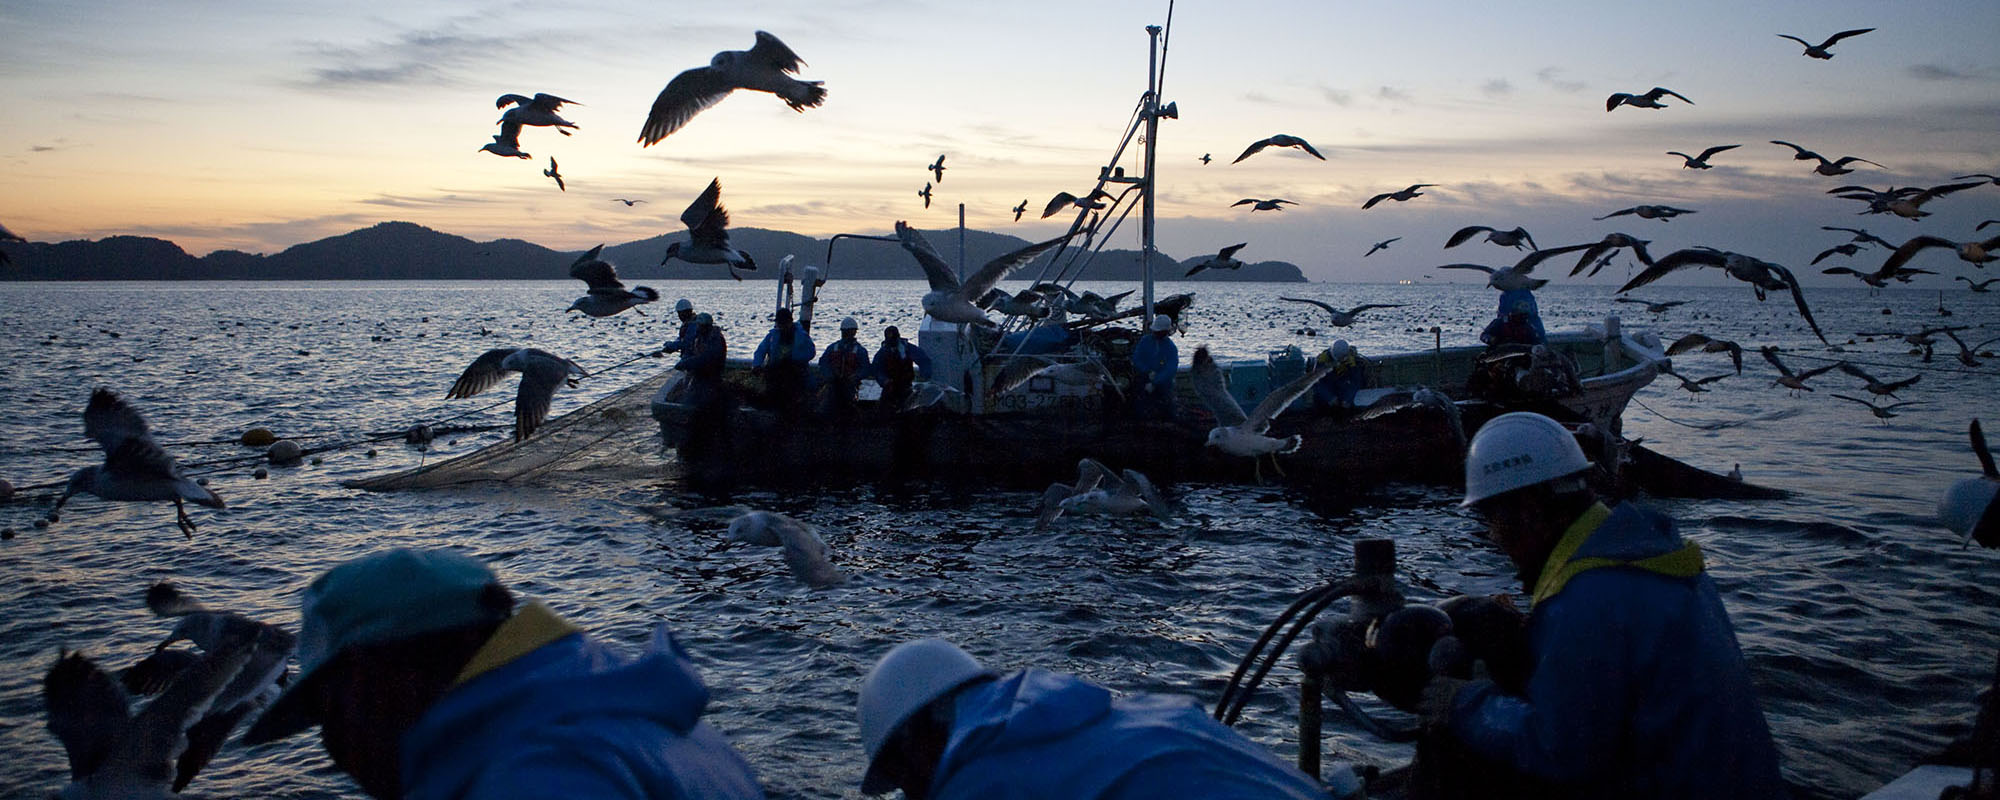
[614,434]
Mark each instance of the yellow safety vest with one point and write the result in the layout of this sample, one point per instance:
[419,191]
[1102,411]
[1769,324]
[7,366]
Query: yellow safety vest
[1685,562]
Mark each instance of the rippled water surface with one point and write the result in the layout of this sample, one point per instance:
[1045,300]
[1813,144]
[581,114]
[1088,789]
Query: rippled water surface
[1868,630]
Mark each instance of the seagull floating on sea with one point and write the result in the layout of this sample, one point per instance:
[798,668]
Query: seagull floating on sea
[1650,99]
[1400,196]
[1701,161]
[1223,259]
[708,235]
[1240,434]
[538,111]
[1381,245]
[764,68]
[1661,213]
[1099,491]
[1342,319]
[805,553]
[1273,204]
[1763,276]
[135,468]
[950,301]
[608,295]
[1820,51]
[542,373]
[1279,140]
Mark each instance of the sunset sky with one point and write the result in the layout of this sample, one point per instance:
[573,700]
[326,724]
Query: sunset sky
[259,125]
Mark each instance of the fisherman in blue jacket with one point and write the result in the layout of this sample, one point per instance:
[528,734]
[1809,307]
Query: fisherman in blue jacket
[899,364]
[1639,689]
[1518,320]
[683,308]
[939,726]
[782,359]
[427,684]
[1336,391]
[1154,360]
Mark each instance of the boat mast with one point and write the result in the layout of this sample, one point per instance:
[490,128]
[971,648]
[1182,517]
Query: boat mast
[1149,144]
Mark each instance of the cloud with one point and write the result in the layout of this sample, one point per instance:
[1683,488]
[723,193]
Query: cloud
[447,200]
[1498,87]
[431,55]
[1937,72]
[1550,77]
[1392,94]
[1336,96]
[1260,97]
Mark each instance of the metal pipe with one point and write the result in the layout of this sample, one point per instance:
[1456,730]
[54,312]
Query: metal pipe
[1152,112]
[1309,724]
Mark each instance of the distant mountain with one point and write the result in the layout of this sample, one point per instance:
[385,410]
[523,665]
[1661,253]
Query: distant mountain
[403,250]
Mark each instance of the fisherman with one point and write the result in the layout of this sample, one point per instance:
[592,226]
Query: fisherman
[685,310]
[940,726]
[702,358]
[1154,360]
[1519,321]
[1639,688]
[426,681]
[782,358]
[1336,391]
[898,364]
[841,368]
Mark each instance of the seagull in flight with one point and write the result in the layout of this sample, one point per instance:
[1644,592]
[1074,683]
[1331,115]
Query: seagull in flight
[1514,238]
[1692,386]
[542,373]
[1847,249]
[708,235]
[554,172]
[1795,381]
[1240,434]
[607,295]
[804,552]
[1205,159]
[1649,99]
[1657,308]
[1976,253]
[1876,387]
[1098,490]
[1404,195]
[937,168]
[926,194]
[1342,319]
[1969,355]
[1661,213]
[951,301]
[1600,251]
[1883,413]
[1020,209]
[1223,259]
[1701,161]
[628,203]
[135,467]
[1516,277]
[1381,245]
[1820,51]
[1860,236]
[766,67]
[538,111]
[1838,167]
[1977,286]
[1878,279]
[507,142]
[1696,341]
[1763,276]
[1256,205]
[1094,200]
[1279,140]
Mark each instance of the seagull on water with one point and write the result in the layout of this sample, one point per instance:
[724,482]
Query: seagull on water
[1514,238]
[764,68]
[1256,205]
[542,373]
[1650,99]
[708,235]
[1516,277]
[950,301]
[135,467]
[1223,259]
[926,194]
[539,111]
[1820,51]
[1695,341]
[607,295]
[1401,196]
[937,168]
[1795,381]
[1883,413]
[1240,434]
[805,553]
[1098,490]
[1094,200]
[1342,319]
[1381,245]
[1701,161]
[1279,140]
[115,753]
[1021,209]
[1763,276]
[507,142]
[1876,387]
[1657,308]
[555,172]
[1661,213]
[1838,167]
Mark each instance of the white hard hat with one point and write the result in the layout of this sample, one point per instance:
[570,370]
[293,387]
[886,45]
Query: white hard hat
[1517,450]
[683,305]
[849,324]
[1965,503]
[1162,323]
[1340,348]
[907,679]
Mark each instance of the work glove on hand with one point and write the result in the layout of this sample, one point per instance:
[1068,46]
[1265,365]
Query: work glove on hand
[1436,703]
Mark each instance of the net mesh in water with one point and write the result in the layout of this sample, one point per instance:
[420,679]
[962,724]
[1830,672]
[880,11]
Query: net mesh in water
[617,433]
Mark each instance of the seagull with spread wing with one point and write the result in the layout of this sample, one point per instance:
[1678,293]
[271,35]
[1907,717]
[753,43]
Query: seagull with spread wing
[539,111]
[1400,196]
[1883,413]
[1649,99]
[1515,238]
[1098,490]
[1020,209]
[1657,308]
[1695,341]
[542,373]
[1795,381]
[708,235]
[555,172]
[607,295]
[1094,200]
[950,301]
[1661,213]
[1279,140]
[1256,205]
[1601,251]
[1223,259]
[1836,167]
[1763,276]
[1381,245]
[1976,253]
[507,142]
[1342,319]
[1820,51]
[1701,161]
[767,66]
[805,553]
[1240,434]
[1507,279]
[135,468]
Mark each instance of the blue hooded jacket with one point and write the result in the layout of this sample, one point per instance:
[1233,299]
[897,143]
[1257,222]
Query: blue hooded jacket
[1038,734]
[1156,357]
[801,351]
[1639,689]
[1512,300]
[571,718]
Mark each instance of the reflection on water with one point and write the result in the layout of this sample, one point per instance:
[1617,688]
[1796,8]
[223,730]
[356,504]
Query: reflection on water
[1868,630]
